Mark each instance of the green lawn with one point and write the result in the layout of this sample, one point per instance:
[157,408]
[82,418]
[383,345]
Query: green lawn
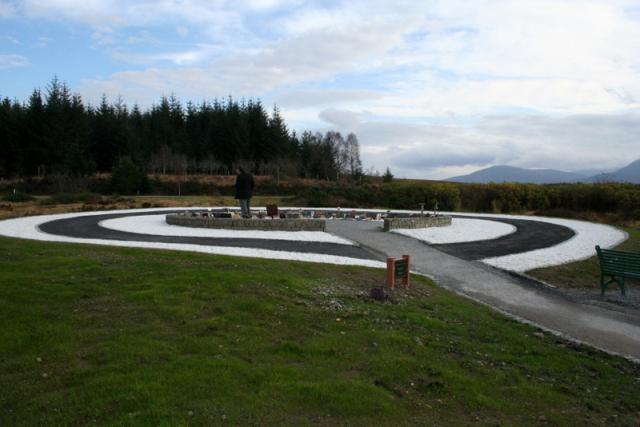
[586,274]
[129,336]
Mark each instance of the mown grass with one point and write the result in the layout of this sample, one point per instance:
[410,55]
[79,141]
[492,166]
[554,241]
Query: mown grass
[128,336]
[585,274]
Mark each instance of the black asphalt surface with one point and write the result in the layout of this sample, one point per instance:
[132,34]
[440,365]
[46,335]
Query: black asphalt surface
[529,235]
[87,227]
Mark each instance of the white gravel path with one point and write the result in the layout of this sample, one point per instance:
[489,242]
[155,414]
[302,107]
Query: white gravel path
[460,230]
[580,246]
[27,228]
[157,226]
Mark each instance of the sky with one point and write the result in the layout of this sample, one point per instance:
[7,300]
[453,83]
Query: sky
[432,89]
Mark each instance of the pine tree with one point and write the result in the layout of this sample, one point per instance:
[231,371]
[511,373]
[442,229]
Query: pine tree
[59,134]
[388,176]
[11,123]
[34,157]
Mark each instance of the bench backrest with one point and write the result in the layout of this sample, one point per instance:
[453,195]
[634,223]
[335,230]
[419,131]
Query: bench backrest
[618,262]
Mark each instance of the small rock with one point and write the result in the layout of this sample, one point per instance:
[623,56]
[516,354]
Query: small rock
[538,334]
[38,359]
[378,294]
[190,413]
[45,375]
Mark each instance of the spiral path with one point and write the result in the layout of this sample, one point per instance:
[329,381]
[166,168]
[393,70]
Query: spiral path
[534,242]
[529,235]
[88,227]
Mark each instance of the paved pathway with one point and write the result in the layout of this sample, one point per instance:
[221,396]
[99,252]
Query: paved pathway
[605,329]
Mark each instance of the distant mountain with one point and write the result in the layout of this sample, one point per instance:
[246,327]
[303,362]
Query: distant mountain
[629,173]
[593,171]
[513,174]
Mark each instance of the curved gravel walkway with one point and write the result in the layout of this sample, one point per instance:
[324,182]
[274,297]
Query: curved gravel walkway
[88,227]
[529,235]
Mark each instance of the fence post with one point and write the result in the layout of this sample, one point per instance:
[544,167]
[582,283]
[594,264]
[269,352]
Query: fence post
[391,272]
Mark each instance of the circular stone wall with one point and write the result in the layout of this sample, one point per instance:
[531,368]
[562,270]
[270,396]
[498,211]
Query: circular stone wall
[416,222]
[203,220]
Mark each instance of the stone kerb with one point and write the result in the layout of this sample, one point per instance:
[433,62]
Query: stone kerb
[247,224]
[417,222]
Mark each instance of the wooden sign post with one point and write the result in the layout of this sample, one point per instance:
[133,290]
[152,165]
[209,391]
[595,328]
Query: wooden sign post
[398,269]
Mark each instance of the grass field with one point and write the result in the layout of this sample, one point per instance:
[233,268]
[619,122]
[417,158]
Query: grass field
[128,336]
[586,274]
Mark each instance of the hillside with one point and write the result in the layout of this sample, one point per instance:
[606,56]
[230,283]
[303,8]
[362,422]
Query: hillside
[629,173]
[514,174]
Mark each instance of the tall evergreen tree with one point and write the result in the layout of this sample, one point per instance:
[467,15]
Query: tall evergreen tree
[11,128]
[34,157]
[77,158]
[57,133]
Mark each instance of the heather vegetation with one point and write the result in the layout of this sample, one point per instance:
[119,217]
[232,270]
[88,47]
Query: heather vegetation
[622,200]
[567,200]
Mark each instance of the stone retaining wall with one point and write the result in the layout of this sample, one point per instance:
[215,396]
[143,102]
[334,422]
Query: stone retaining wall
[417,222]
[247,224]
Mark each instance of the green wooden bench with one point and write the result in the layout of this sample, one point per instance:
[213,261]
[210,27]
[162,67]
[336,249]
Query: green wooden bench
[617,265]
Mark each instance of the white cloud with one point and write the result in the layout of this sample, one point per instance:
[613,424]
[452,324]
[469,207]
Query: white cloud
[13,61]
[310,57]
[105,37]
[446,84]
[316,98]
[531,141]
[7,10]
[10,39]
[182,31]
[142,37]
[44,41]
[187,57]
[121,13]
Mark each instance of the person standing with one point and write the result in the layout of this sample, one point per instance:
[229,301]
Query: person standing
[244,191]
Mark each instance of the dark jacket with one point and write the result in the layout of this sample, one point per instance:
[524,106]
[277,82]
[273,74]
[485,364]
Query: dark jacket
[244,186]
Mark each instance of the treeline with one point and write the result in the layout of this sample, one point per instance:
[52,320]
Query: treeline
[55,133]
